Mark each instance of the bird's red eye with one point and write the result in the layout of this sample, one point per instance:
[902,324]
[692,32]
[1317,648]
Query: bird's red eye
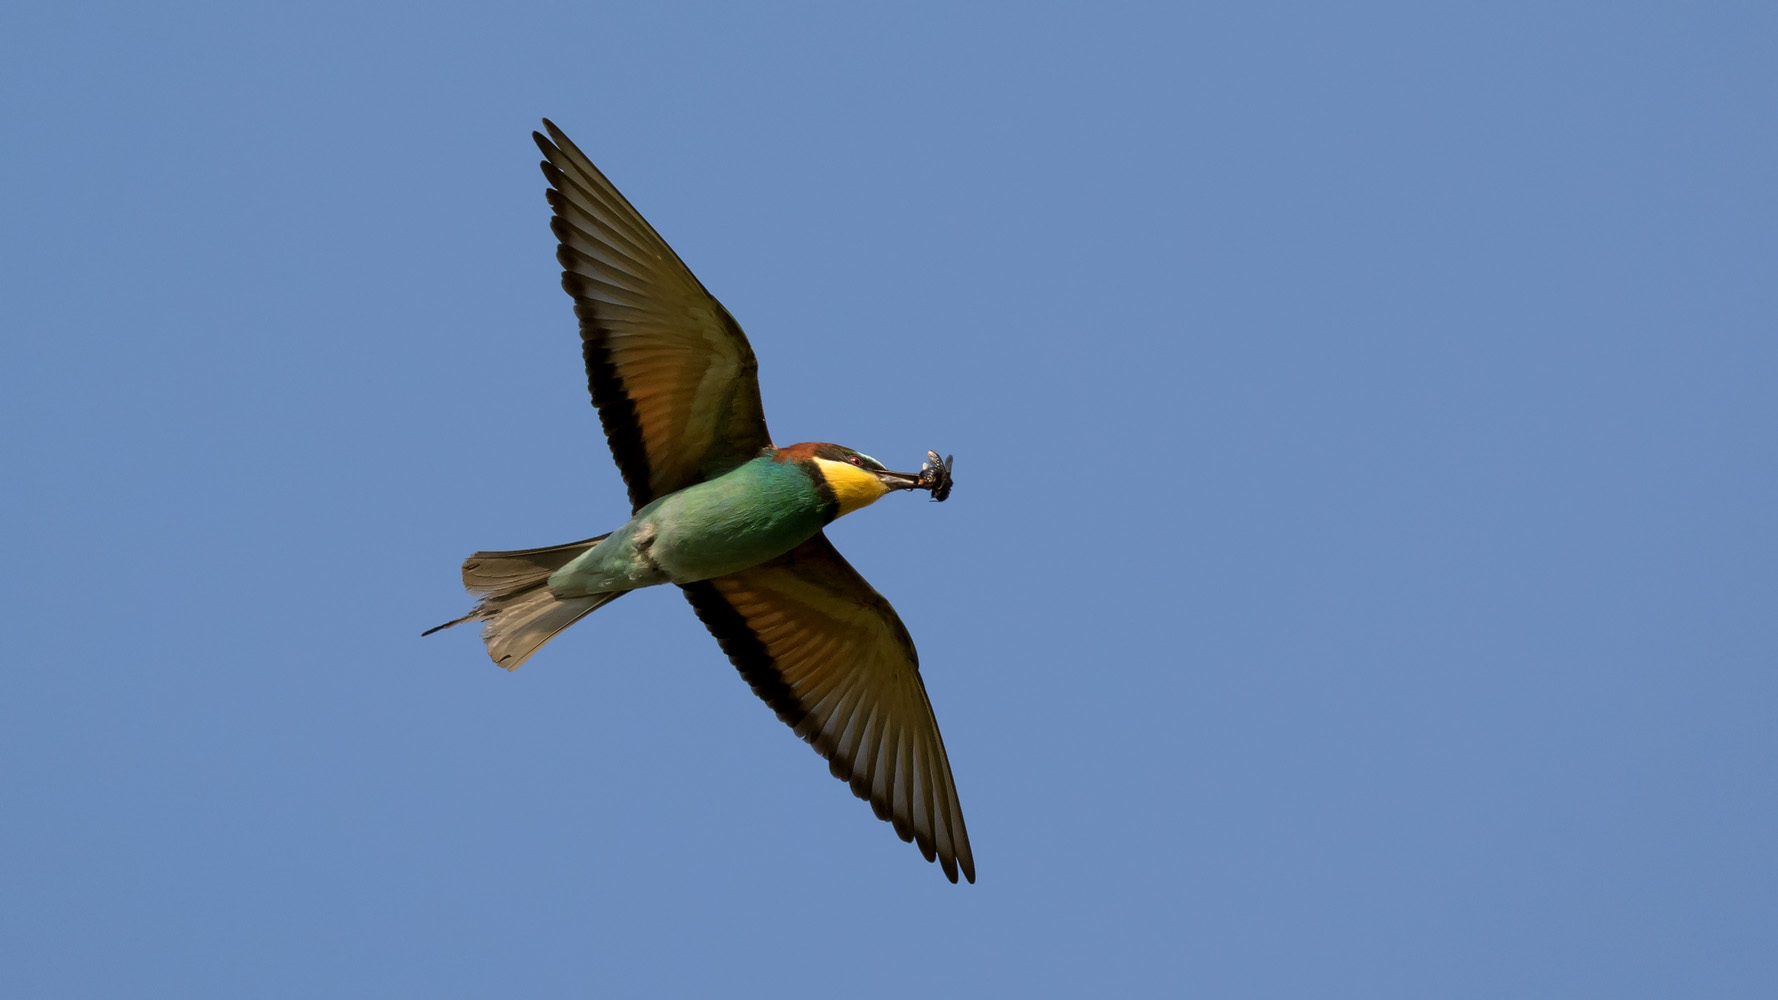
[855,460]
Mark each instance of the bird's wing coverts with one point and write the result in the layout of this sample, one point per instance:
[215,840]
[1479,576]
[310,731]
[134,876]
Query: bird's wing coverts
[673,376]
[830,655]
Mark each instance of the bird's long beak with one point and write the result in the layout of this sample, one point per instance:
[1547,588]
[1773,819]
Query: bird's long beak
[900,480]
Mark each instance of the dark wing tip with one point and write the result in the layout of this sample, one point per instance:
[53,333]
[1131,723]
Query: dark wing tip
[557,139]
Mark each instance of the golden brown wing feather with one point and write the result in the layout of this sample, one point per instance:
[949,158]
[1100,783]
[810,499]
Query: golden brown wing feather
[673,376]
[831,656]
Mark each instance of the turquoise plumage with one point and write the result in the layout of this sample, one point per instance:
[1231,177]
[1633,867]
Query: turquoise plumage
[742,518]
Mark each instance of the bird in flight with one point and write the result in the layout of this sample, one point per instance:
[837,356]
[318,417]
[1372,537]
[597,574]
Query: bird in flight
[730,518]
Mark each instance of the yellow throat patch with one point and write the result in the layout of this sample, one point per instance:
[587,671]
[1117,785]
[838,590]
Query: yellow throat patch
[852,487]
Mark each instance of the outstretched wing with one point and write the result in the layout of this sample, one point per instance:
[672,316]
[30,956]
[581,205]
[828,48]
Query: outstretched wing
[671,372]
[830,655]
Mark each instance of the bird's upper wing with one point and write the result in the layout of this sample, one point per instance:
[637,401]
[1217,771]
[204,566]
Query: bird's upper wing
[830,655]
[671,372]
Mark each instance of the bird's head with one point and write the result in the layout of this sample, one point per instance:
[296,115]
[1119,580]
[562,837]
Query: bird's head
[855,479]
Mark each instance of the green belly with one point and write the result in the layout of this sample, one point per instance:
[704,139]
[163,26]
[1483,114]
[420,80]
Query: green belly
[757,512]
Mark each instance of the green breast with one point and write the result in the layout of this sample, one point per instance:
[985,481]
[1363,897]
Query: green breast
[757,512]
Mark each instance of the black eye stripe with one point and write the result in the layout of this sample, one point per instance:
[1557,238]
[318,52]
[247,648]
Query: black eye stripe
[835,453]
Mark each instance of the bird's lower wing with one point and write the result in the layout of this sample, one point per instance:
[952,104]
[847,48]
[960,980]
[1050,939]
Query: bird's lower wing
[833,659]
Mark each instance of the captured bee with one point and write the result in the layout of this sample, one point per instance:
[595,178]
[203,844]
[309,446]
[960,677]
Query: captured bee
[935,475]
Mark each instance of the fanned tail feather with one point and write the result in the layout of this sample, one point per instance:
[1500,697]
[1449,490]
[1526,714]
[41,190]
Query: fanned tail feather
[518,612]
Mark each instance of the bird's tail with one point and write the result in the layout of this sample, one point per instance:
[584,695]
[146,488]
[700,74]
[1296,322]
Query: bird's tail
[519,612]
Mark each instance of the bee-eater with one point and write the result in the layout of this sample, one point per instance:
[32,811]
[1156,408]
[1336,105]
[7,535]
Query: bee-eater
[731,519]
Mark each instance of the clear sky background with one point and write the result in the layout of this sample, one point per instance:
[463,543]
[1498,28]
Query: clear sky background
[1362,579]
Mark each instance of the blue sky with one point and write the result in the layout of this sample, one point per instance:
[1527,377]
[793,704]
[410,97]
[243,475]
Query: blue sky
[1361,579]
